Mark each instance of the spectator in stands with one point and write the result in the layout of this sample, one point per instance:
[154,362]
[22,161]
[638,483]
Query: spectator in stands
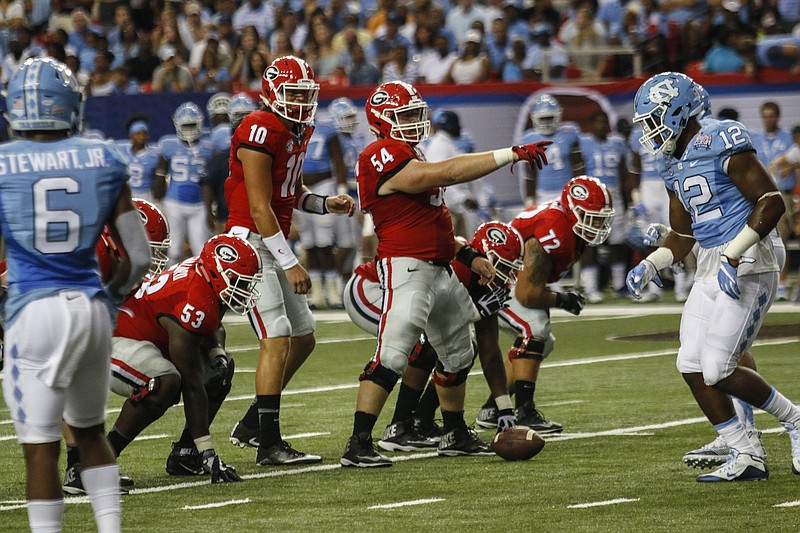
[540,11]
[723,57]
[95,41]
[55,50]
[728,113]
[460,18]
[351,33]
[74,64]
[320,53]
[423,40]
[473,64]
[142,65]
[227,37]
[170,37]
[122,19]
[291,26]
[780,51]
[171,76]
[213,76]
[514,65]
[255,13]
[400,68]
[210,41]
[123,84]
[534,64]
[434,65]
[38,13]
[283,45]
[249,42]
[789,14]
[380,52]
[427,13]
[80,30]
[378,18]
[126,45]
[190,24]
[12,16]
[360,71]
[101,82]
[336,12]
[585,34]
[498,45]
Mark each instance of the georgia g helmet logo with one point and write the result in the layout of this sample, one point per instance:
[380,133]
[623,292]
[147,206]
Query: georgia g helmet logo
[579,192]
[379,98]
[143,216]
[271,73]
[662,92]
[496,235]
[226,253]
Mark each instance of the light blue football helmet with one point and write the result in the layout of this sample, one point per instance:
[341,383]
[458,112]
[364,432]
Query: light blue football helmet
[546,114]
[345,115]
[188,120]
[663,106]
[218,104]
[239,107]
[705,102]
[44,95]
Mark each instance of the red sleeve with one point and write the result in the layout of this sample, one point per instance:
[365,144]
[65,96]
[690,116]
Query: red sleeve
[199,311]
[383,159]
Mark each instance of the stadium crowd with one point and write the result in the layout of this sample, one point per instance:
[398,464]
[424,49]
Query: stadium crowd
[212,45]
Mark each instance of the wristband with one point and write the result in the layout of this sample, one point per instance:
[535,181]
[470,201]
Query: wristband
[467,255]
[280,250]
[313,203]
[744,240]
[503,156]
[203,443]
[503,402]
[661,258]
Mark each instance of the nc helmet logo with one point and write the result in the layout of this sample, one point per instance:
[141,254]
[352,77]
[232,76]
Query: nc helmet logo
[497,236]
[662,92]
[226,253]
[579,192]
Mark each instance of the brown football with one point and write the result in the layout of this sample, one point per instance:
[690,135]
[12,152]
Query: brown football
[519,443]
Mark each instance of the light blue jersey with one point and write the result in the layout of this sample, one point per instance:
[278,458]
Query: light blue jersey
[318,154]
[221,137]
[187,167]
[352,145]
[771,146]
[141,167]
[649,171]
[603,158]
[718,209]
[558,171]
[55,198]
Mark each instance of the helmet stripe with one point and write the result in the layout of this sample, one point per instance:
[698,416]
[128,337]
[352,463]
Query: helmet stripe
[31,89]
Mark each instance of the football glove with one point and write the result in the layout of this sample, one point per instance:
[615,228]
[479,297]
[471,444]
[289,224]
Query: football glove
[641,275]
[493,301]
[533,152]
[571,302]
[727,278]
[655,234]
[220,472]
[506,419]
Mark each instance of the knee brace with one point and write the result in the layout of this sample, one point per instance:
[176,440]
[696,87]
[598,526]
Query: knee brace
[423,356]
[380,375]
[219,377]
[449,379]
[160,394]
[527,348]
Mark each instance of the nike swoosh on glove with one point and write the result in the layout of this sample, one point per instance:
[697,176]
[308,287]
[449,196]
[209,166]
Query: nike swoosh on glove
[727,278]
[533,152]
[641,275]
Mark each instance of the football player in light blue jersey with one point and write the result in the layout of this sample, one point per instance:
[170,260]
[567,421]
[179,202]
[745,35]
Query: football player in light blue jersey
[142,156]
[605,155]
[563,156]
[185,158]
[323,173]
[723,199]
[217,109]
[57,191]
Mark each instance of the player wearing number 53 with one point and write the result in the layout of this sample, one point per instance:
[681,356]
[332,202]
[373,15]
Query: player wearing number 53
[264,186]
[721,198]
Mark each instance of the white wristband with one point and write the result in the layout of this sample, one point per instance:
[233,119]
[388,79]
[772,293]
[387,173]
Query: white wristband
[503,156]
[503,402]
[280,250]
[661,258]
[203,443]
[744,240]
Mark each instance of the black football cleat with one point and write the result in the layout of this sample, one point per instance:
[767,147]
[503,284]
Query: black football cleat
[528,415]
[73,484]
[462,441]
[282,453]
[403,437]
[184,461]
[361,453]
[242,436]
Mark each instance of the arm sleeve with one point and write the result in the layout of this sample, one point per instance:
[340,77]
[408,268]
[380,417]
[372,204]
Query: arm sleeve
[134,241]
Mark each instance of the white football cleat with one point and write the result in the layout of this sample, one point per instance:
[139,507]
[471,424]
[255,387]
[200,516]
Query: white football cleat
[739,467]
[794,438]
[715,453]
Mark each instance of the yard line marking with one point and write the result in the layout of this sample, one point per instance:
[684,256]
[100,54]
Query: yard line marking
[152,437]
[213,505]
[306,435]
[405,504]
[598,504]
[626,431]
[795,503]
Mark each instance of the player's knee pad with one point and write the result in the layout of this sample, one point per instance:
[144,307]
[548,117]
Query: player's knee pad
[449,379]
[717,370]
[528,348]
[219,377]
[380,375]
[281,327]
[160,394]
[423,356]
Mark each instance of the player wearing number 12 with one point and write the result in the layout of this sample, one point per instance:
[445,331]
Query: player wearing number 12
[264,186]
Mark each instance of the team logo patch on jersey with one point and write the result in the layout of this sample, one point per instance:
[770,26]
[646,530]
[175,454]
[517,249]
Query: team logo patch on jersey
[579,192]
[703,141]
[379,98]
[662,92]
[497,236]
[226,253]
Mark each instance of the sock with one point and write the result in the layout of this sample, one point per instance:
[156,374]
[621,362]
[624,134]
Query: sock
[269,408]
[102,486]
[45,515]
[589,278]
[488,404]
[407,400]
[333,289]
[363,424]
[734,434]
[781,408]
[186,440]
[618,273]
[745,413]
[250,419]
[73,457]
[118,440]
[524,392]
[453,420]
[428,404]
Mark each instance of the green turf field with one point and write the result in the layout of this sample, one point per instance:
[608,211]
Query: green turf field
[628,419]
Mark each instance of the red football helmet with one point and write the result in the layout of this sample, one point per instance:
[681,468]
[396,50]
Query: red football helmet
[503,246]
[233,267]
[395,110]
[588,205]
[283,81]
[157,228]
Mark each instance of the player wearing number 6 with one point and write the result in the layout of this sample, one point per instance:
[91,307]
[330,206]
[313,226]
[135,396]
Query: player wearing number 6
[264,186]
[57,191]
[723,199]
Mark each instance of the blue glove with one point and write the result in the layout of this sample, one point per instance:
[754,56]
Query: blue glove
[655,234]
[641,275]
[726,277]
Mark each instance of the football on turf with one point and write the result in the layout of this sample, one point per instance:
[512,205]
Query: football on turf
[519,443]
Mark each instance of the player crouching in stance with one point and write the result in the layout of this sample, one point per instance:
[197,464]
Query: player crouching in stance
[404,194]
[500,244]
[722,198]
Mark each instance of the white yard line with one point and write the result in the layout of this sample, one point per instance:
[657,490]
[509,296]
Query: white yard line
[795,503]
[605,502]
[214,505]
[406,504]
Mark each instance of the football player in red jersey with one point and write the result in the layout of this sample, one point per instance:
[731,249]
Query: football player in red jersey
[555,234]
[404,194]
[264,186]
[412,423]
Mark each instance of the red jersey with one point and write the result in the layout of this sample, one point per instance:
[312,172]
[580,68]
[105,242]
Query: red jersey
[548,223]
[407,225]
[263,131]
[182,293]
